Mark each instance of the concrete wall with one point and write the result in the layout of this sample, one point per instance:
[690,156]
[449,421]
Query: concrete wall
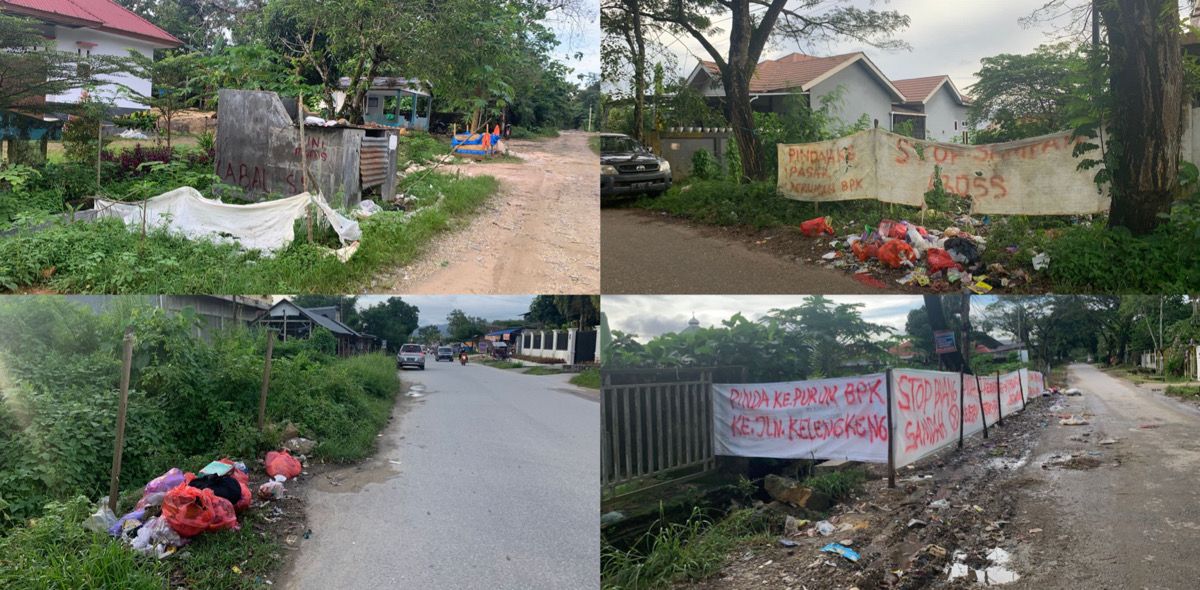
[106,44]
[942,113]
[1191,135]
[679,147]
[863,93]
[549,344]
[258,150]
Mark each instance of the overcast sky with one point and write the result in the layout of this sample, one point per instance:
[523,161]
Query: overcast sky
[578,35]
[648,316]
[947,37]
[435,308]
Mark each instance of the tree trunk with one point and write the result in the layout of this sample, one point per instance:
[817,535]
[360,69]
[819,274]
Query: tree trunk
[1147,83]
[637,45]
[741,117]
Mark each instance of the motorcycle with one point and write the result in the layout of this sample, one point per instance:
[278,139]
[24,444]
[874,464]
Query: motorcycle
[462,358]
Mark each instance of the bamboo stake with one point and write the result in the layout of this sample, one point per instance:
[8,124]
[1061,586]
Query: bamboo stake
[126,364]
[303,169]
[266,380]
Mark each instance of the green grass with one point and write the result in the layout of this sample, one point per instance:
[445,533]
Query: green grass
[501,364]
[518,132]
[502,159]
[675,552]
[837,485]
[106,257]
[542,371]
[589,378]
[594,143]
[1184,391]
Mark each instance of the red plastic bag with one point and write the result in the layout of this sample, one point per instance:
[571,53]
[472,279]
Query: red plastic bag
[865,252]
[895,252]
[815,227]
[940,260]
[243,479]
[190,511]
[282,463]
[898,231]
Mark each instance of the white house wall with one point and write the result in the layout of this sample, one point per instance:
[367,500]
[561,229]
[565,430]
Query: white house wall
[106,44]
[941,114]
[863,94]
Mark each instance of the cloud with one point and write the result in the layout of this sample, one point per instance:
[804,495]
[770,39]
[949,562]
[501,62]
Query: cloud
[648,316]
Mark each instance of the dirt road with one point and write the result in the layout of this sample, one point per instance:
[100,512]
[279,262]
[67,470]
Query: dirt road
[643,254]
[541,234]
[488,481]
[1131,517]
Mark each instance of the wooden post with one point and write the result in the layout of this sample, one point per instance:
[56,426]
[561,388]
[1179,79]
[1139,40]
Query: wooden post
[303,173]
[979,391]
[962,384]
[99,150]
[126,364]
[266,381]
[891,438]
[999,402]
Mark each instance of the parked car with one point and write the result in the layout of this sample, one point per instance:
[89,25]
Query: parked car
[445,353]
[628,168]
[411,355]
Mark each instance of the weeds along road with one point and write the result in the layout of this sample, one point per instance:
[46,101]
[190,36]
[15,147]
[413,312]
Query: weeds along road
[645,255]
[1133,520]
[541,234]
[486,480]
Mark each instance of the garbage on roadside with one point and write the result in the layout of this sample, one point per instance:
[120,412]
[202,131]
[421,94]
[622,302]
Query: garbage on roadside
[191,511]
[1073,392]
[785,542]
[993,575]
[1073,421]
[282,463]
[815,227]
[272,490]
[102,519]
[825,528]
[842,550]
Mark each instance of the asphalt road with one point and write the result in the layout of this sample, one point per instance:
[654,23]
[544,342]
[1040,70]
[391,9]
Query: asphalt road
[1132,521]
[644,255]
[488,479]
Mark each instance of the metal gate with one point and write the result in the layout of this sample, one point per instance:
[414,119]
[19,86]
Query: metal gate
[656,427]
[585,347]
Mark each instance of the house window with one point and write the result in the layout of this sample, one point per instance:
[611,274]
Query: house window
[956,125]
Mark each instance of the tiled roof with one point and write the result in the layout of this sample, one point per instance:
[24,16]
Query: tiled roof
[104,15]
[922,89]
[790,71]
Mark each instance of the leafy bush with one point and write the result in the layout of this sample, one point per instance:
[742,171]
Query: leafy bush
[192,399]
[55,553]
[131,161]
[420,148]
[705,166]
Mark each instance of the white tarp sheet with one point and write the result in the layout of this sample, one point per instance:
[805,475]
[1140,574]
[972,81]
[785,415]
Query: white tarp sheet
[266,226]
[1037,176]
[844,418]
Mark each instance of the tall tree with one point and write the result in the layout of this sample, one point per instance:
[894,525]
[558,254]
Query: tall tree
[1146,63]
[463,327]
[623,20]
[1025,95]
[749,32]
[393,320]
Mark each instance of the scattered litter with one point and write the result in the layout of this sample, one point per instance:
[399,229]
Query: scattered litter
[999,556]
[300,445]
[102,519]
[1073,392]
[788,543]
[1041,261]
[132,134]
[282,463]
[1149,426]
[980,288]
[842,550]
[1108,441]
[272,490]
[1073,421]
[916,523]
[939,504]
[791,526]
[830,255]
[1034,531]
[815,227]
[825,528]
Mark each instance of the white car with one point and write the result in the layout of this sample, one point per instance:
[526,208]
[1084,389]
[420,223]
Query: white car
[411,355]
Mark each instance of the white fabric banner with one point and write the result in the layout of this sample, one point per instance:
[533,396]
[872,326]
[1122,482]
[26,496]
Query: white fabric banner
[1037,176]
[267,226]
[843,418]
[925,412]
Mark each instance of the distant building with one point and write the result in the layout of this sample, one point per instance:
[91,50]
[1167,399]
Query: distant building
[292,321]
[96,27]
[216,312]
[934,105]
[693,325]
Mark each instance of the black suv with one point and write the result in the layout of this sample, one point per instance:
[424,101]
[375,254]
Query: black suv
[627,167]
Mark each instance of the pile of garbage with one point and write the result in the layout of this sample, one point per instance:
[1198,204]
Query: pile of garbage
[939,259]
[177,506]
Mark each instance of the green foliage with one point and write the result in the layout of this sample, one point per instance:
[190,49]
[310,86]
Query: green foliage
[81,133]
[56,553]
[144,121]
[838,485]
[691,550]
[106,257]
[421,148]
[1022,96]
[393,320]
[705,166]
[192,399]
[589,378]
[816,338]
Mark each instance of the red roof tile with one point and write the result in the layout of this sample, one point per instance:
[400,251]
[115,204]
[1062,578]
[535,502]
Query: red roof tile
[921,89]
[791,71]
[104,15]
